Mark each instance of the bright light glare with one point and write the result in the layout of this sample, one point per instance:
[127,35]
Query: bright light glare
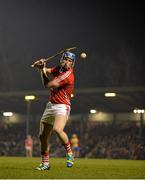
[31,97]
[93,111]
[110,94]
[7,114]
[72,95]
[135,111]
[139,111]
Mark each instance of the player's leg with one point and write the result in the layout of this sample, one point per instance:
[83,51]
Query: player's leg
[27,152]
[45,133]
[58,127]
[30,152]
[77,153]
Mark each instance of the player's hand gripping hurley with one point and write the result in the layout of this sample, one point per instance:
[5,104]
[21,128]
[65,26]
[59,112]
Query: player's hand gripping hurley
[51,57]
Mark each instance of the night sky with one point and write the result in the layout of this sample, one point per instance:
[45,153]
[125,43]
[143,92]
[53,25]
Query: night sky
[112,35]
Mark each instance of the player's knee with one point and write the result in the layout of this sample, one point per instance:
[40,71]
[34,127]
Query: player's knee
[40,137]
[57,130]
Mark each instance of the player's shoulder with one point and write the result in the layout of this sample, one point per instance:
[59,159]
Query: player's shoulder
[71,72]
[55,70]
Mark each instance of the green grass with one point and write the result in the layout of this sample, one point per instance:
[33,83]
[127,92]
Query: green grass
[24,168]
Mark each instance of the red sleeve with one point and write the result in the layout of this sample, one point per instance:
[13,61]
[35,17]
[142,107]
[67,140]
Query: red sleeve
[54,71]
[66,78]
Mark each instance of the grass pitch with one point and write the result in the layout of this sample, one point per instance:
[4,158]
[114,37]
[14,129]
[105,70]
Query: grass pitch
[24,168]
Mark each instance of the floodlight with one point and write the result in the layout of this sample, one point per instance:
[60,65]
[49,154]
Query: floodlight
[93,111]
[29,97]
[111,94]
[7,114]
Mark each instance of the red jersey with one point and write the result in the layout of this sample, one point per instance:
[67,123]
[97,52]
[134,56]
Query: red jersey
[28,142]
[62,94]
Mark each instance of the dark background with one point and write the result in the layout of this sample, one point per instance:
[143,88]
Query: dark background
[110,32]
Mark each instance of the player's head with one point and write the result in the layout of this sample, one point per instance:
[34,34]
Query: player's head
[28,136]
[69,55]
[74,135]
[68,59]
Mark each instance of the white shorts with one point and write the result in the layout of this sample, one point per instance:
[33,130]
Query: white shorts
[53,110]
[28,148]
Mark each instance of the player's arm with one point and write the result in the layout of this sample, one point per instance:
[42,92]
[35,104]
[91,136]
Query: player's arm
[44,72]
[46,78]
[41,65]
[53,84]
[59,81]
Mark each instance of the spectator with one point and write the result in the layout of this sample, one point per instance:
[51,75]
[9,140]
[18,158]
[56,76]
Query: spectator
[75,145]
[29,146]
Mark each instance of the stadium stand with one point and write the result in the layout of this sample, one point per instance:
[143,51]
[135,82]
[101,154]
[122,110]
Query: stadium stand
[109,140]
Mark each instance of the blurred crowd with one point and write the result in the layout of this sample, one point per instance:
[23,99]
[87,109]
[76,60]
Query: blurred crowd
[114,141]
[121,140]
